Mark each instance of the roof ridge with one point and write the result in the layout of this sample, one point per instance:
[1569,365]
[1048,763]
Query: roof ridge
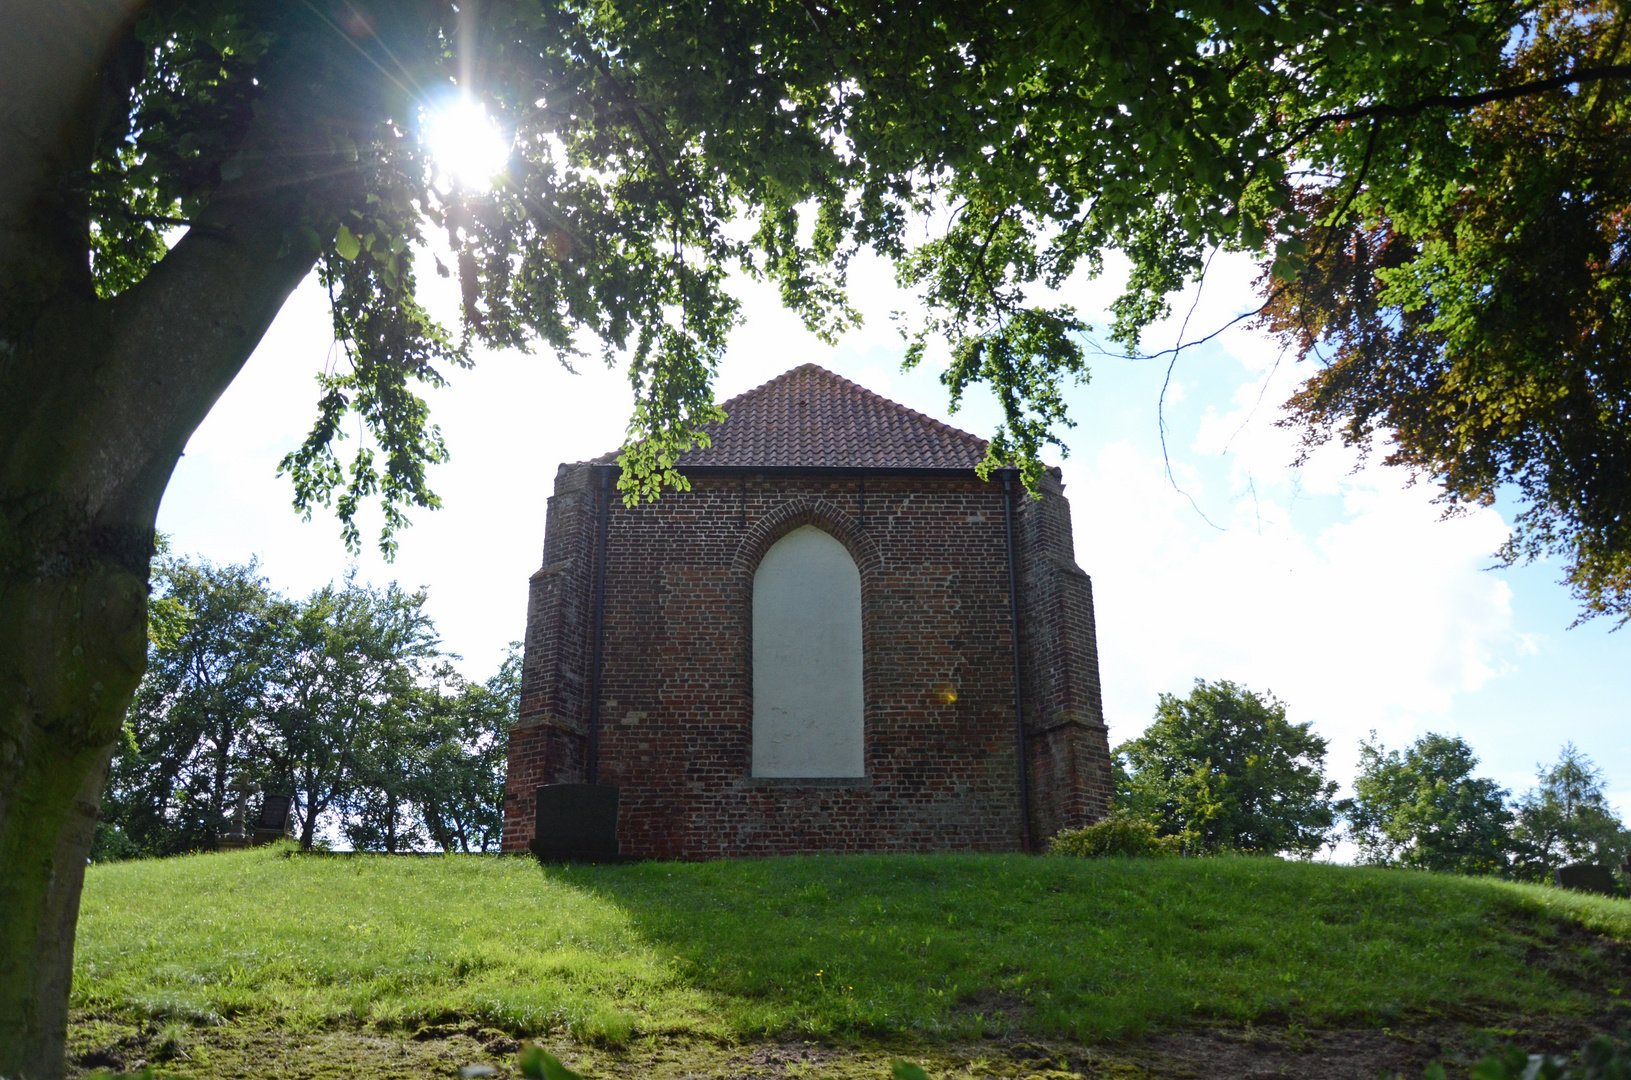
[835,377]
[811,417]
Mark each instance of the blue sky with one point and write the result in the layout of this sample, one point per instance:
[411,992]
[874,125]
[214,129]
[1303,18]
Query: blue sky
[1336,585]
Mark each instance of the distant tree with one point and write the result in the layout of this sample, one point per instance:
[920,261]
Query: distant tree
[189,732]
[1225,767]
[1425,809]
[460,790]
[1566,819]
[340,732]
[380,813]
[336,699]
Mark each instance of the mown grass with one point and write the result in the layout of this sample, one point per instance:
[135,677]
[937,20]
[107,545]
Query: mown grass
[926,945]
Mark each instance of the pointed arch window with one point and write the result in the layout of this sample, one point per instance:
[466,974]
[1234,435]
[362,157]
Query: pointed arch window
[808,706]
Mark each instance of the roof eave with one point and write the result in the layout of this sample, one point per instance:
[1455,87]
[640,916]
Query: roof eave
[827,471]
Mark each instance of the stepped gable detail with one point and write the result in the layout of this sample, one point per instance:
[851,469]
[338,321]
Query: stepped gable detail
[810,418]
[639,671]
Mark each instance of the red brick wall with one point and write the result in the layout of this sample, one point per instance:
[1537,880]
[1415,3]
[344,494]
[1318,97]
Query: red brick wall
[1064,714]
[676,708]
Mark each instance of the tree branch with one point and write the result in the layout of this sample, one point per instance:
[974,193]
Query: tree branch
[1472,101]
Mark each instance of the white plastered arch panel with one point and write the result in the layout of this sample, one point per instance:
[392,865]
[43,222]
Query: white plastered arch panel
[808,705]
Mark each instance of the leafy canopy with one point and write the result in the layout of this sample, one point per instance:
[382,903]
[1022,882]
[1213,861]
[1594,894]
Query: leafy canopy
[342,700]
[1466,296]
[1225,768]
[1424,808]
[656,149]
[189,731]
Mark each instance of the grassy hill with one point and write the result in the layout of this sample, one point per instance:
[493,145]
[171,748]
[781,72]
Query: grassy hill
[958,946]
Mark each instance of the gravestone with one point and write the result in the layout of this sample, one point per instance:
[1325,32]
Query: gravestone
[239,836]
[1587,877]
[576,823]
[275,821]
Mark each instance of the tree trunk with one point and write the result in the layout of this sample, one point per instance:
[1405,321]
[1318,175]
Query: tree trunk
[98,398]
[52,938]
[75,539]
[97,401]
[314,810]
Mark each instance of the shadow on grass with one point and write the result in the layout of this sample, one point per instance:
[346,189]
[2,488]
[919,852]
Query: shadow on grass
[969,946]
[959,946]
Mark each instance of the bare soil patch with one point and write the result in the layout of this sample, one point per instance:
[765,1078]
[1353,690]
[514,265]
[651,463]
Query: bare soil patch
[235,1051]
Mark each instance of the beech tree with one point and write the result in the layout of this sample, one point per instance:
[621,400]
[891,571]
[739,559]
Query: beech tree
[652,150]
[1467,299]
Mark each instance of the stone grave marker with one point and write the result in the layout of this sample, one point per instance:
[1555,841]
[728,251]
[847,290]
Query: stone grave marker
[276,820]
[1587,877]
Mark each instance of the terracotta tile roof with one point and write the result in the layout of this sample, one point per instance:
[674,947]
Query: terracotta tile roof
[811,418]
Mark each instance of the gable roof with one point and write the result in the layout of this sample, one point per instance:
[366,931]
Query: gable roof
[810,418]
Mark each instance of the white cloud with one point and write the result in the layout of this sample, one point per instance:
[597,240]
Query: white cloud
[1377,619]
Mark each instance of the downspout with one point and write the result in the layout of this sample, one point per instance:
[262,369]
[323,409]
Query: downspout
[593,765]
[1019,700]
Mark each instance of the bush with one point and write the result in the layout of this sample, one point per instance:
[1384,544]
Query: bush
[1122,833]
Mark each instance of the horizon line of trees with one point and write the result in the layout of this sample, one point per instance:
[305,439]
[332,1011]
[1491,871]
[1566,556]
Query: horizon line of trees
[343,700]
[1224,770]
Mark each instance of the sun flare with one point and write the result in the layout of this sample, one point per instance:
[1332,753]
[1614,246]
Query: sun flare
[466,145]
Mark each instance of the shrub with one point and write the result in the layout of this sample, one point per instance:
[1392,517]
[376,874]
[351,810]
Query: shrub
[1122,833]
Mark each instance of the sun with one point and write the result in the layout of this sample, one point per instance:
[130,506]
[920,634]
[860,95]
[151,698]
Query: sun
[465,144]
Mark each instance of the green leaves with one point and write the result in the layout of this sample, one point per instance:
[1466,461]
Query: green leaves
[1424,808]
[1226,769]
[390,340]
[1463,289]
[1599,1059]
[342,699]
[1566,818]
[534,1061]
[655,153]
[346,245]
[1121,833]
[906,1070]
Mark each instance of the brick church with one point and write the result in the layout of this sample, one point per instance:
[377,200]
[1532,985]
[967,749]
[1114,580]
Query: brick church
[813,649]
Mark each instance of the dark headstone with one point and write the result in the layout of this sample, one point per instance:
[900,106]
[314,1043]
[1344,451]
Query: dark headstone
[275,821]
[1587,877]
[274,812]
[576,823]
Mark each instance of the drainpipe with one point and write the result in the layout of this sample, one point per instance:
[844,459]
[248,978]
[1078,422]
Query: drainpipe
[602,515]
[1019,701]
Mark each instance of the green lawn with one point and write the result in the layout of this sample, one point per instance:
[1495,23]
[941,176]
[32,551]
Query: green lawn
[953,945]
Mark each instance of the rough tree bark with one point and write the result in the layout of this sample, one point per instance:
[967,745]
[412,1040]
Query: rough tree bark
[97,401]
